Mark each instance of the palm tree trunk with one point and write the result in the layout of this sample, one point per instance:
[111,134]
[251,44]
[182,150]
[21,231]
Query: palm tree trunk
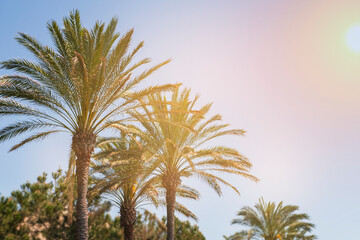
[170,210]
[127,219]
[83,145]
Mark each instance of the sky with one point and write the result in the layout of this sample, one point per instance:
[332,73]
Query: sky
[281,70]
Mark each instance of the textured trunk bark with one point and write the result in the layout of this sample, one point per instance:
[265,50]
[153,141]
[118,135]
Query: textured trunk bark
[170,210]
[127,219]
[83,145]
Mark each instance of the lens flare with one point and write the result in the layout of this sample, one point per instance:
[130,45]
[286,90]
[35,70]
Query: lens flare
[353,38]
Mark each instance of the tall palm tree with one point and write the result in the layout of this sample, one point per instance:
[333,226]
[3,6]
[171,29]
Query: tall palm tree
[271,221]
[75,88]
[175,135]
[122,164]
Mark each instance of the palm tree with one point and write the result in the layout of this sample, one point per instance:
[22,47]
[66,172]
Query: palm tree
[75,88]
[270,221]
[122,182]
[122,163]
[175,135]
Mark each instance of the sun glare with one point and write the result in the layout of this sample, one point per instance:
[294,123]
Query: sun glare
[353,38]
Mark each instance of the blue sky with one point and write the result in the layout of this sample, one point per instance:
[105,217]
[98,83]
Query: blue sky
[278,69]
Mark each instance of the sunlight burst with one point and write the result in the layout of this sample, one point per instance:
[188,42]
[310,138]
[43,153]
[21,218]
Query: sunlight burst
[353,38]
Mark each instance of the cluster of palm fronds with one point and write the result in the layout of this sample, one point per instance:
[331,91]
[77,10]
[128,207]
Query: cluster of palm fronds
[83,86]
[271,221]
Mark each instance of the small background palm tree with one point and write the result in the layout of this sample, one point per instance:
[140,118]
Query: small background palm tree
[271,221]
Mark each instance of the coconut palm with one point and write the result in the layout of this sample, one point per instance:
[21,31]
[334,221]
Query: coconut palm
[77,87]
[175,135]
[271,221]
[122,163]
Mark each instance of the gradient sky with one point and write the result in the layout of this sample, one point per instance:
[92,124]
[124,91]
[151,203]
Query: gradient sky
[281,70]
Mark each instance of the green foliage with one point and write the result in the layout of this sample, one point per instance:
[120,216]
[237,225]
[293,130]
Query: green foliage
[10,219]
[271,221]
[40,210]
[185,231]
[42,206]
[102,226]
[149,227]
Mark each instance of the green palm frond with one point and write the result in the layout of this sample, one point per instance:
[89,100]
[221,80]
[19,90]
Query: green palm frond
[269,220]
[38,137]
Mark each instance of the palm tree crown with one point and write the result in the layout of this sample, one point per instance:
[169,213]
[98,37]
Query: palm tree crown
[74,87]
[176,134]
[271,221]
